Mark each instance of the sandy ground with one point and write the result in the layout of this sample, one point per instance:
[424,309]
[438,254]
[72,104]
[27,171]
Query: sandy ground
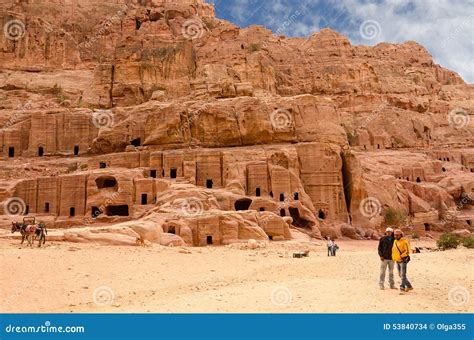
[66,277]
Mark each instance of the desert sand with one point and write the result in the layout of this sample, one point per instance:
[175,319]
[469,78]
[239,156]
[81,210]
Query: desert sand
[71,277]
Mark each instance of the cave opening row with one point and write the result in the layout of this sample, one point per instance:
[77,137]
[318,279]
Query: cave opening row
[41,151]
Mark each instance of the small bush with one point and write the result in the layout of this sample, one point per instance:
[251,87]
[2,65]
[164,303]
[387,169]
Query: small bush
[448,241]
[255,47]
[351,138]
[395,216]
[468,242]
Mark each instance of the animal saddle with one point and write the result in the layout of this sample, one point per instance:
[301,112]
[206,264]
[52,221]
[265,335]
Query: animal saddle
[31,229]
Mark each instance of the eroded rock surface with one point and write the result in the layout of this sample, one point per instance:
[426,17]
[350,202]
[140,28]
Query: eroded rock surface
[160,119]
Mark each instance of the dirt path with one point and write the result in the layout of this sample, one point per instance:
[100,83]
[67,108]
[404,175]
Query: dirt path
[63,278]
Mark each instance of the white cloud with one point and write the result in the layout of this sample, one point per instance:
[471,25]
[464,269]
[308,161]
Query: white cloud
[444,27]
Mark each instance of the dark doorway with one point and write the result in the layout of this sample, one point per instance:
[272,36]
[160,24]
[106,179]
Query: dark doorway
[40,151]
[418,180]
[172,230]
[321,214]
[257,192]
[296,196]
[271,193]
[102,165]
[173,173]
[76,150]
[243,204]
[282,197]
[270,238]
[136,142]
[106,182]
[96,212]
[209,184]
[468,222]
[72,212]
[117,210]
[209,240]
[11,151]
[282,213]
[144,199]
[297,220]
[262,209]
[427,227]
[46,207]
[153,173]
[444,169]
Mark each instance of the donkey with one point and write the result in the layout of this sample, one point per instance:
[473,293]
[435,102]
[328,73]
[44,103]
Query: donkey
[31,232]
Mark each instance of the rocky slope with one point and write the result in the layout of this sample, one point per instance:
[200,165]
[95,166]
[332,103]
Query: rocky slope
[157,111]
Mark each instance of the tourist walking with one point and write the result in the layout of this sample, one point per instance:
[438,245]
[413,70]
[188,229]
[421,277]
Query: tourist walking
[401,255]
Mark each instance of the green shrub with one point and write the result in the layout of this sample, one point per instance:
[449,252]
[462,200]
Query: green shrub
[468,242]
[448,241]
[255,47]
[395,216]
[351,138]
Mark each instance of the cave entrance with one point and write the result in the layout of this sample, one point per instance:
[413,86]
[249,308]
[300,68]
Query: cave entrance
[173,173]
[172,230]
[282,213]
[117,210]
[298,220]
[257,192]
[282,197]
[321,214]
[106,182]
[46,207]
[243,204]
[136,142]
[209,240]
[153,173]
[76,150]
[418,180]
[296,196]
[209,184]
[72,212]
[427,227]
[144,199]
[40,151]
[102,165]
[11,151]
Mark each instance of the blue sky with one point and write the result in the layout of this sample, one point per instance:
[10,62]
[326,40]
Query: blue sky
[444,27]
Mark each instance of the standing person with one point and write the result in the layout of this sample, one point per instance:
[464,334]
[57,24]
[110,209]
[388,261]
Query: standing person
[330,244]
[401,255]
[335,247]
[385,253]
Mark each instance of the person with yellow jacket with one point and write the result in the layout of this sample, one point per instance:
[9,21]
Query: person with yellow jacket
[401,255]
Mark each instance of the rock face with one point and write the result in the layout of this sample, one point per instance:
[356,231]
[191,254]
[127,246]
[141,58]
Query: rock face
[157,113]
